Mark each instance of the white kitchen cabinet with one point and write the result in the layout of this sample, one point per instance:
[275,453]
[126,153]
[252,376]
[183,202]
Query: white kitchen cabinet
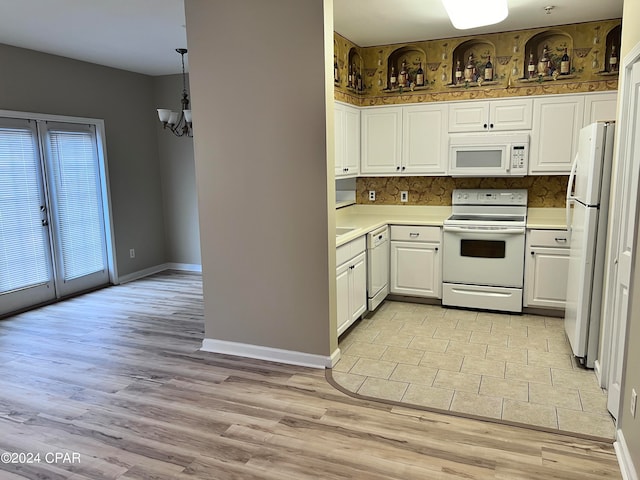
[347,140]
[557,120]
[546,269]
[600,106]
[381,140]
[494,115]
[424,139]
[351,283]
[416,263]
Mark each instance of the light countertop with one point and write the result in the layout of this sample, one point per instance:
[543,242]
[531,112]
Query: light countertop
[366,218]
[547,218]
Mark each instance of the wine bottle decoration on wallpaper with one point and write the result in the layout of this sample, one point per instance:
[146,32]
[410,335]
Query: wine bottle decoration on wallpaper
[393,80]
[359,81]
[488,70]
[403,77]
[336,73]
[543,63]
[350,78]
[565,63]
[470,69]
[420,76]
[613,59]
[354,85]
[458,72]
[531,68]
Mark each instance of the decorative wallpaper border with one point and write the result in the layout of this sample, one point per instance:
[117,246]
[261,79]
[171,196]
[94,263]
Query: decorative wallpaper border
[589,45]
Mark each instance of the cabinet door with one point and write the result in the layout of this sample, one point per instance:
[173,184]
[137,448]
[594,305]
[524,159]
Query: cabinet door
[546,273]
[557,121]
[425,139]
[510,114]
[339,136]
[600,106]
[468,117]
[415,269]
[381,140]
[358,287]
[342,297]
[351,162]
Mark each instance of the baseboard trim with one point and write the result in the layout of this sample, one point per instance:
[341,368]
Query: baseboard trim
[130,277]
[624,457]
[597,369]
[267,353]
[185,267]
[335,356]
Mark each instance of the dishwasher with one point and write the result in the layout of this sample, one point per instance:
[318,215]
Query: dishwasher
[377,267]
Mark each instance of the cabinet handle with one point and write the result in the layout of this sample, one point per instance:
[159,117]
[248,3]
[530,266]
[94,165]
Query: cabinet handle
[491,125]
[561,240]
[532,253]
[485,125]
[436,249]
[414,235]
[397,169]
[403,169]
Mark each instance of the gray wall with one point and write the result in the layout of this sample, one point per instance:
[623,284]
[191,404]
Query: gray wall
[257,75]
[631,426]
[37,82]
[180,201]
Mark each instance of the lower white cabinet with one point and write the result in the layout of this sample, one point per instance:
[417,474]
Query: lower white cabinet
[416,261]
[351,282]
[546,266]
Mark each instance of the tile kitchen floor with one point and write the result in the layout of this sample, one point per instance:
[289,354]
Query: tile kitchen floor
[515,368]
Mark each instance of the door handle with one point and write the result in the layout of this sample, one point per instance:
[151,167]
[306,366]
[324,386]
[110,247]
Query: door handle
[45,222]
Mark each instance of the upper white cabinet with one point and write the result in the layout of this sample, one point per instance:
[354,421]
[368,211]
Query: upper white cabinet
[424,139]
[381,140]
[347,140]
[600,106]
[404,140]
[557,120]
[495,115]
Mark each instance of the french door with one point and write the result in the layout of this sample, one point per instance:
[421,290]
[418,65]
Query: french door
[52,224]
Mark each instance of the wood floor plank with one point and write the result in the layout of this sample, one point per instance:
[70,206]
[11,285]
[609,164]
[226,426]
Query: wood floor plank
[117,377]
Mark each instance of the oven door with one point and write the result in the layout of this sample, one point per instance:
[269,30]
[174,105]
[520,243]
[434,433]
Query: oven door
[483,256]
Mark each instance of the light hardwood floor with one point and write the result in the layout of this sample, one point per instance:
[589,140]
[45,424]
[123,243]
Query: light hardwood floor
[116,377]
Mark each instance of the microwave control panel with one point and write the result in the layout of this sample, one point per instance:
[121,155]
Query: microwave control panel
[519,158]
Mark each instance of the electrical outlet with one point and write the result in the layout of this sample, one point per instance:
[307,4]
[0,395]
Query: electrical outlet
[132,253]
[404,196]
[634,402]
[372,195]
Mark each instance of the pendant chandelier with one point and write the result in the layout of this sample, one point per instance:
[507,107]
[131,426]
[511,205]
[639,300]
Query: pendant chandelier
[179,122]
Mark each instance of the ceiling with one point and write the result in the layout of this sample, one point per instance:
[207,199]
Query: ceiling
[142,35]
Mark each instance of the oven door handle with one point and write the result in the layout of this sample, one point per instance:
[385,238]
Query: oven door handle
[499,231]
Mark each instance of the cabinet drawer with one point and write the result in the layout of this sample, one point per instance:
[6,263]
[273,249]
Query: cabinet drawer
[548,238]
[415,234]
[346,252]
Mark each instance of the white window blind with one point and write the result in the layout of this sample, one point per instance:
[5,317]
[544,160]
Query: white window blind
[23,239]
[77,200]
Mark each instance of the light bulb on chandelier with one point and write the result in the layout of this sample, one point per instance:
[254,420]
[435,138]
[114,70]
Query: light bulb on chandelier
[179,122]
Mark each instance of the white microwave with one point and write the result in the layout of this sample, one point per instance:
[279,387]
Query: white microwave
[489,154]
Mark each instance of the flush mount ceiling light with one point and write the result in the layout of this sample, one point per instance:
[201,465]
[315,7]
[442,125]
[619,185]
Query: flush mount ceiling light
[466,14]
[178,122]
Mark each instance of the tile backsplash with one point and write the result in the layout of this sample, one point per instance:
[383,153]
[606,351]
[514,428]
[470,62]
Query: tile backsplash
[543,191]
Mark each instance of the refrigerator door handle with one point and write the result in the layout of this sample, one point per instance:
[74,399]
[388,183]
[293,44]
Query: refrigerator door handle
[570,197]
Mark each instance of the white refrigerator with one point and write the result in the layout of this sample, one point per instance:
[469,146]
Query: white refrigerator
[587,206]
